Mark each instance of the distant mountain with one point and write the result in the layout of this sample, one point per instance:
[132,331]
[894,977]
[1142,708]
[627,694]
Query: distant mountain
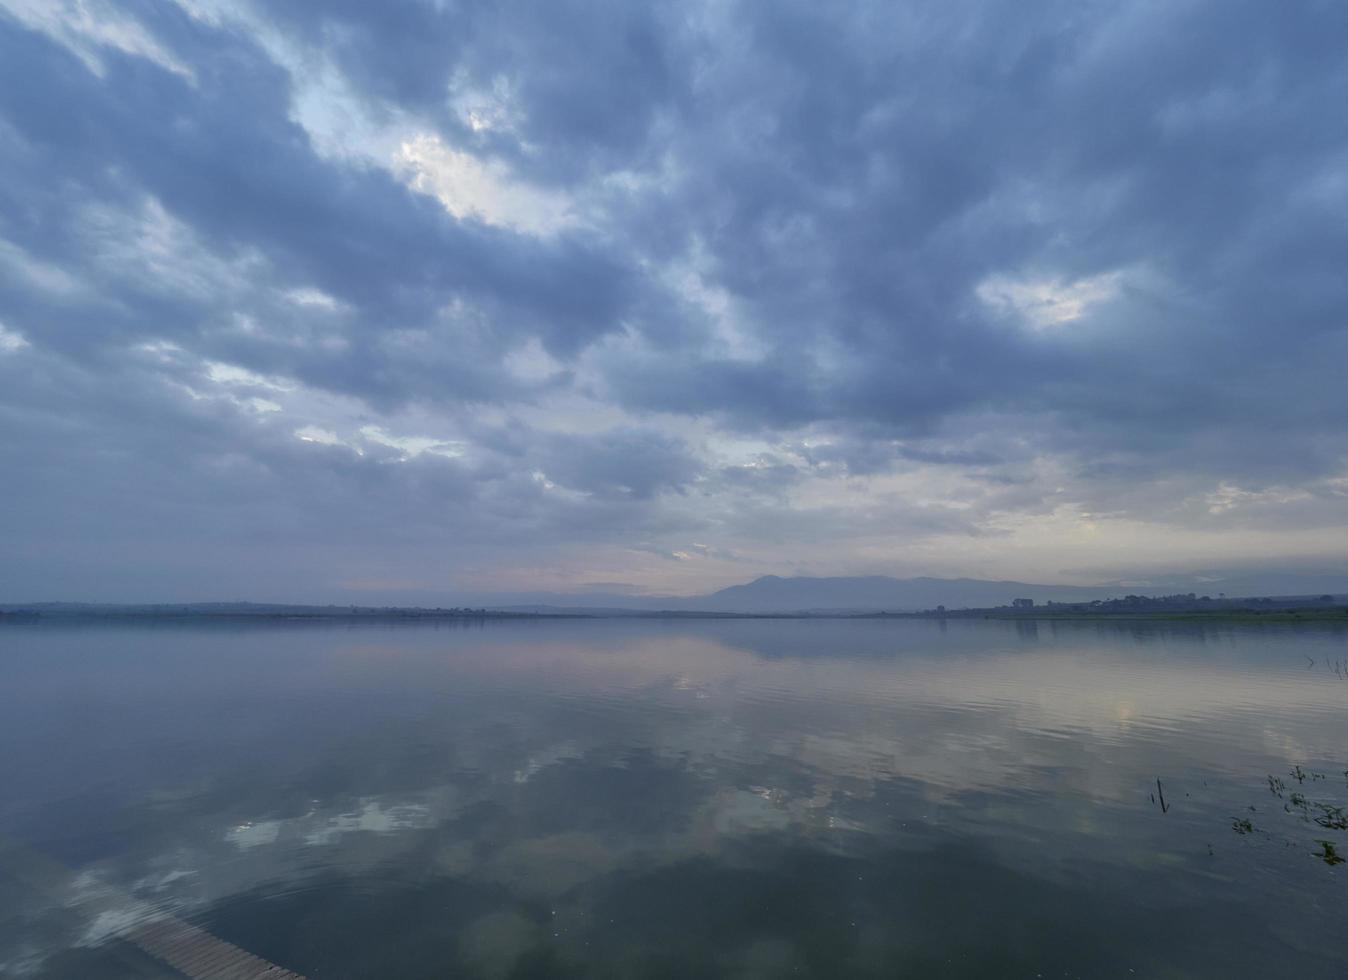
[881,593]
[769,594]
[868,593]
[772,593]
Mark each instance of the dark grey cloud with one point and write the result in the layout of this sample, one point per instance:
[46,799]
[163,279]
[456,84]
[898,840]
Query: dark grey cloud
[624,463]
[223,158]
[592,83]
[912,271]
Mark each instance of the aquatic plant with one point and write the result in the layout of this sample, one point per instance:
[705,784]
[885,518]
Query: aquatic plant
[1329,853]
[1299,801]
[1331,817]
[1328,815]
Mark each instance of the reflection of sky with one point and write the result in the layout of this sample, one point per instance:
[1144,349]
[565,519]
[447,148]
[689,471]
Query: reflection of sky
[202,771]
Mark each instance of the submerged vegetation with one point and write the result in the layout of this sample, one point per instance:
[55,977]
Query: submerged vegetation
[1295,803]
[1328,853]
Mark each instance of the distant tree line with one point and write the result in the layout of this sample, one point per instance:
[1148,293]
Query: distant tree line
[1177,603]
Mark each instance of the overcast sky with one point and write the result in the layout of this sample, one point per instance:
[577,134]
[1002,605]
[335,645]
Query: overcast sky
[304,300]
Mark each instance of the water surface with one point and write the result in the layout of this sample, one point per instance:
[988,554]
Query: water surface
[677,799]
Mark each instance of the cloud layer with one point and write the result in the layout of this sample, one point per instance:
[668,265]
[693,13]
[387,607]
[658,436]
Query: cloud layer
[305,299]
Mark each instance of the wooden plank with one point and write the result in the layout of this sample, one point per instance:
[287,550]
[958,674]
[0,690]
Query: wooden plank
[190,950]
[197,954]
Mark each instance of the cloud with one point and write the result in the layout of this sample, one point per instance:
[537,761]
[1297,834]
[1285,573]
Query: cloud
[469,188]
[550,283]
[623,464]
[11,340]
[1047,303]
[87,26]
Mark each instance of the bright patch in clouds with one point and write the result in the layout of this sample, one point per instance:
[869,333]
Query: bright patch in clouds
[695,281]
[149,245]
[232,374]
[1228,497]
[491,109]
[531,362]
[86,26]
[1048,303]
[11,340]
[472,189]
[312,433]
[315,299]
[412,446]
[43,275]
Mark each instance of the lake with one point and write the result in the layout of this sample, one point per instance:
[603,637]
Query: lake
[644,798]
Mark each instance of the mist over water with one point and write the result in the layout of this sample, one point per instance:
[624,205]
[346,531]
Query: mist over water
[651,799]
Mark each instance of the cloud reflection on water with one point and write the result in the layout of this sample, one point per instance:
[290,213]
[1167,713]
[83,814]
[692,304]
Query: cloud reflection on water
[570,768]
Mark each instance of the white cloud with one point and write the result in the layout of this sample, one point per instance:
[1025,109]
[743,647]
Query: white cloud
[485,110]
[1228,497]
[232,374]
[345,124]
[149,245]
[312,433]
[86,26]
[340,122]
[693,278]
[315,299]
[531,362]
[471,188]
[1045,303]
[11,340]
[43,275]
[411,446]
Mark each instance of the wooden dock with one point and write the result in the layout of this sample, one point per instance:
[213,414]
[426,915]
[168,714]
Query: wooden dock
[181,946]
[197,954]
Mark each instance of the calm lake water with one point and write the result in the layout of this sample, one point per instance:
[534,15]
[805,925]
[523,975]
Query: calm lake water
[677,799]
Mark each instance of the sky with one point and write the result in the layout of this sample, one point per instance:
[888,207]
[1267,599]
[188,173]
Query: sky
[305,301]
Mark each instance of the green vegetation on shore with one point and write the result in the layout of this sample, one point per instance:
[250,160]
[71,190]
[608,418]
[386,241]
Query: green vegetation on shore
[1181,606]
[1328,614]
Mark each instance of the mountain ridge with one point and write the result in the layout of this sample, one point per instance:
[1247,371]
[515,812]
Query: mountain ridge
[770,594]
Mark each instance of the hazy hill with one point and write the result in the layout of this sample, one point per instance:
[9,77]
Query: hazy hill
[875,593]
[772,593]
[866,593]
[769,594]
